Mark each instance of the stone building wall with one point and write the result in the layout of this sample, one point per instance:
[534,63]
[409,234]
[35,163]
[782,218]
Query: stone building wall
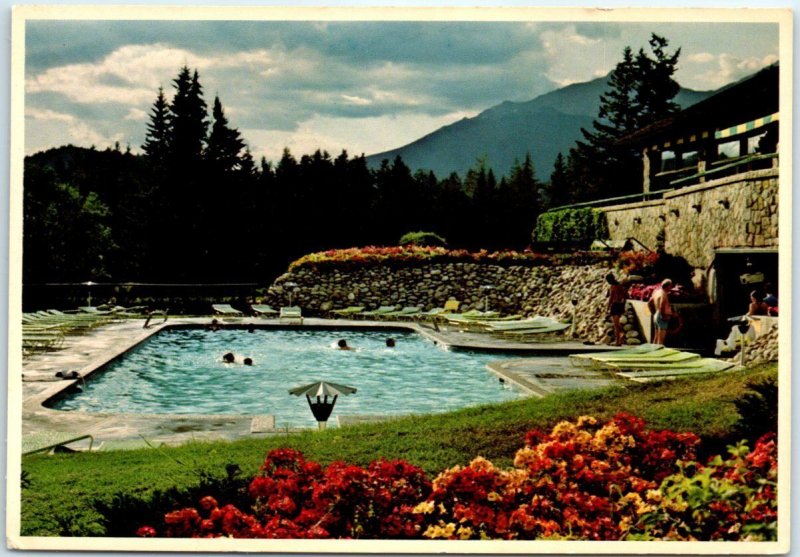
[642,221]
[736,211]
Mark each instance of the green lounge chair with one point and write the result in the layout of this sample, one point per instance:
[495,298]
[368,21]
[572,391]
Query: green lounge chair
[263,309]
[225,309]
[348,311]
[406,312]
[450,306]
[378,312]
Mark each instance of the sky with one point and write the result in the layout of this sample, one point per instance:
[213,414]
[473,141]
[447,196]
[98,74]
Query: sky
[360,86]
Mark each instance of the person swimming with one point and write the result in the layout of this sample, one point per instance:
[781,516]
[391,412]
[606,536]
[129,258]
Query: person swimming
[342,345]
[228,358]
[248,361]
[390,343]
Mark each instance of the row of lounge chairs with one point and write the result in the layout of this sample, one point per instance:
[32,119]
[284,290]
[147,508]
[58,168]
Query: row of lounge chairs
[46,329]
[484,321]
[291,313]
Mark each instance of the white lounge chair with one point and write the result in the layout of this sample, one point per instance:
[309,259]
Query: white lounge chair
[293,313]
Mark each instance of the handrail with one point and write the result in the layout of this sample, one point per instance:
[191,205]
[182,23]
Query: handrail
[738,162]
[645,196]
[150,316]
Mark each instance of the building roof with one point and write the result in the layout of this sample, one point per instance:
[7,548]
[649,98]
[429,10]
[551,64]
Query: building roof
[751,98]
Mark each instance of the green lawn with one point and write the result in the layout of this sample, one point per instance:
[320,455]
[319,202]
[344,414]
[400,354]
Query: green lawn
[61,489]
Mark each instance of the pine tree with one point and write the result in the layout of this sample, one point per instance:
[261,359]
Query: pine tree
[656,88]
[558,189]
[640,92]
[224,143]
[189,120]
[156,144]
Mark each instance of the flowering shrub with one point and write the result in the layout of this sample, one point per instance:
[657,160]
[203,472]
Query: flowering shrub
[412,254]
[637,262]
[639,291]
[295,498]
[583,480]
[734,499]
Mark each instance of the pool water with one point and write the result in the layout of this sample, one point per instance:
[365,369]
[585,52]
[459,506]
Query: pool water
[180,371]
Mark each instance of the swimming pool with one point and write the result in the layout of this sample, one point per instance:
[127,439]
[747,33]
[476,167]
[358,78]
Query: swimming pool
[180,371]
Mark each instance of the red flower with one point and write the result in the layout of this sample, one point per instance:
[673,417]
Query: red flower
[146,532]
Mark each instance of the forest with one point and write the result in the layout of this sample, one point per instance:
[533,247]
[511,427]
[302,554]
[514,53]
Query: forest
[194,206]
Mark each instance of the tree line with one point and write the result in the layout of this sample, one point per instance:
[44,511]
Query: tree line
[196,207]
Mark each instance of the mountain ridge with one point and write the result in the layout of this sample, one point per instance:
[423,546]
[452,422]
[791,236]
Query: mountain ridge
[505,133]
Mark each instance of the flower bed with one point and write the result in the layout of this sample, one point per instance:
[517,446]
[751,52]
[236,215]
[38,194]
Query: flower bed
[411,254]
[583,480]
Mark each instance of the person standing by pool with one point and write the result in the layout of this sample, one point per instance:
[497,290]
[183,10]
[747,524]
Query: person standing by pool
[617,294]
[663,311]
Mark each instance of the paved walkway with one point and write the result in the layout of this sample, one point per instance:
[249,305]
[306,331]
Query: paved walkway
[540,375]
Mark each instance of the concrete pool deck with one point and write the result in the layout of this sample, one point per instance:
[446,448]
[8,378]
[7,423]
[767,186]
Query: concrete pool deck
[86,353]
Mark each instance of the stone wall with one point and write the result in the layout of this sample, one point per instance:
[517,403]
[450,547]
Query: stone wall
[519,290]
[736,211]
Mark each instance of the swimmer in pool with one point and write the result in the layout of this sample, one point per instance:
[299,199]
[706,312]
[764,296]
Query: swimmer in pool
[342,345]
[390,343]
[248,361]
[228,358]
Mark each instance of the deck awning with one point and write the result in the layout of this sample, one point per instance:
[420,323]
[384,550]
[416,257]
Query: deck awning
[747,126]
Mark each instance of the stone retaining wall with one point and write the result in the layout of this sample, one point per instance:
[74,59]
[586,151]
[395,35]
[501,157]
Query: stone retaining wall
[520,290]
[737,211]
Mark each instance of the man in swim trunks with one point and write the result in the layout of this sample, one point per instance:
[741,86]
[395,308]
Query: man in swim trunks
[663,311]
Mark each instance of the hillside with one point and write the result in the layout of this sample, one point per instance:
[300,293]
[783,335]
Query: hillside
[544,126]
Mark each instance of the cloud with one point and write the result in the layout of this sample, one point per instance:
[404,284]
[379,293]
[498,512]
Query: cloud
[701,58]
[729,68]
[356,135]
[385,81]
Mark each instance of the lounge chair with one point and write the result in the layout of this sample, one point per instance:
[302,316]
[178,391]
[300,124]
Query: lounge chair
[291,313]
[450,306]
[225,309]
[406,312]
[47,441]
[378,312]
[348,311]
[263,309]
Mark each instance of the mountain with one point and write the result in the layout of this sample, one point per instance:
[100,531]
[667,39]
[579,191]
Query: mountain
[544,126]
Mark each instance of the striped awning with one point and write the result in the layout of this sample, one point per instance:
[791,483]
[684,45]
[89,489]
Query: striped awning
[746,127]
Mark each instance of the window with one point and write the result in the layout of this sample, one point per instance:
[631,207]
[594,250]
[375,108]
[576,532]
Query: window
[667,161]
[728,150]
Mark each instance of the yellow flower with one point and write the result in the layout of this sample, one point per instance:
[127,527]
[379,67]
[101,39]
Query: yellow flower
[494,496]
[564,428]
[480,463]
[654,495]
[584,420]
[437,531]
[464,532]
[426,507]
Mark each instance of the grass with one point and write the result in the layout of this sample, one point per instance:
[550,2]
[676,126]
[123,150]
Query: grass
[62,491]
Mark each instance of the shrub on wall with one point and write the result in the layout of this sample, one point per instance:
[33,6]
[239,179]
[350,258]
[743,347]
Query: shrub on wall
[571,226]
[408,255]
[422,239]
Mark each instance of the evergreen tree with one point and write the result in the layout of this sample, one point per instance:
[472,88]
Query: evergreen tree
[656,88]
[640,92]
[224,143]
[156,144]
[189,119]
[558,188]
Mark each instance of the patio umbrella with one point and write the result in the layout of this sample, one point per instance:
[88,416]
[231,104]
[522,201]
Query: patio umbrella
[321,390]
